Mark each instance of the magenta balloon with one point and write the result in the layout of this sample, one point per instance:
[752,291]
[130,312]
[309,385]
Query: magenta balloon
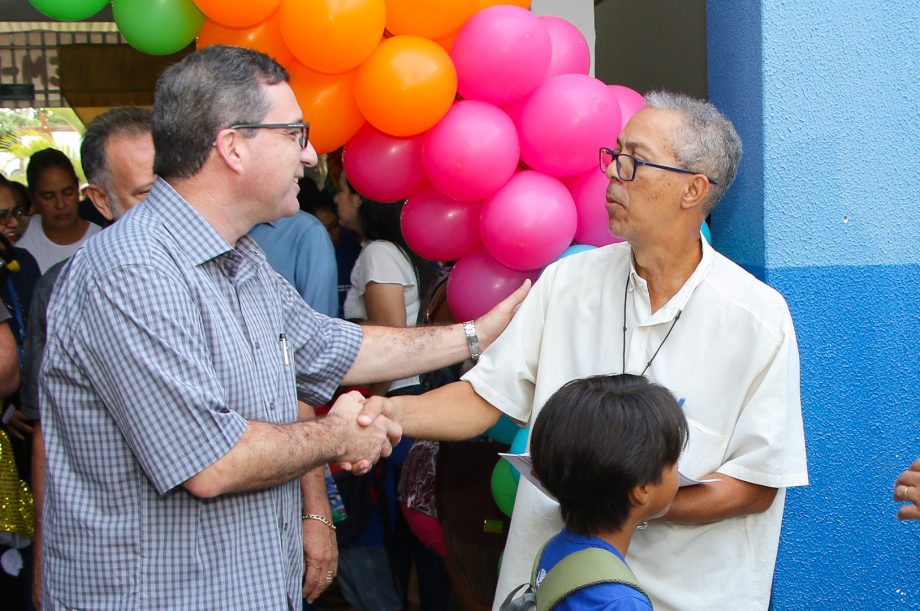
[478,282]
[529,222]
[501,54]
[438,227]
[630,101]
[570,49]
[565,121]
[471,152]
[589,192]
[383,167]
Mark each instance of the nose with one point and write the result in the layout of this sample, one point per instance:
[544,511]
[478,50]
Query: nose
[308,155]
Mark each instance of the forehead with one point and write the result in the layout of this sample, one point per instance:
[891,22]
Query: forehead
[130,152]
[651,129]
[55,177]
[7,200]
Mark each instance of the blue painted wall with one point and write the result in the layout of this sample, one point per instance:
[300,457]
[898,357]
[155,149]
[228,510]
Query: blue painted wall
[826,96]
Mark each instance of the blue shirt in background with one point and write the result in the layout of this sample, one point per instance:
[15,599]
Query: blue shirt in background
[298,247]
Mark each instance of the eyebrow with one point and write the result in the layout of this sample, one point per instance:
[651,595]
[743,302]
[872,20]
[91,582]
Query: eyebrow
[635,147]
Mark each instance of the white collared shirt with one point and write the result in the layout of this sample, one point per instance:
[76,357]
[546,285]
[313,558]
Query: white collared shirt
[732,358]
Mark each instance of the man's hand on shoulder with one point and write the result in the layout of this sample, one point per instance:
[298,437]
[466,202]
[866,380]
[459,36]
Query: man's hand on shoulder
[490,325]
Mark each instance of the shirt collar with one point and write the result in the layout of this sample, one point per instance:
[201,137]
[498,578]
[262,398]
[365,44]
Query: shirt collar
[679,301]
[194,234]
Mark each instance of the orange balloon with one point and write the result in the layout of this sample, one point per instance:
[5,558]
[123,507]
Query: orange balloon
[487,3]
[328,103]
[406,86]
[332,36]
[447,42]
[238,13]
[428,18]
[265,37]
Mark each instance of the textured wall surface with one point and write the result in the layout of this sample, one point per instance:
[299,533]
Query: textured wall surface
[827,210]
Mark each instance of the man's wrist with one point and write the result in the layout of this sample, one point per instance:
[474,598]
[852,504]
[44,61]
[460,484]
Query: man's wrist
[472,340]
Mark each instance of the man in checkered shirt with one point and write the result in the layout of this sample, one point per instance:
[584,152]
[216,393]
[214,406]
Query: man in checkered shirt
[175,358]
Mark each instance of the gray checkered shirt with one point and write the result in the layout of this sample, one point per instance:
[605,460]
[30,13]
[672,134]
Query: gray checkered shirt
[162,342]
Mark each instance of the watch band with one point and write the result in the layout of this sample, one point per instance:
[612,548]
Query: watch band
[472,340]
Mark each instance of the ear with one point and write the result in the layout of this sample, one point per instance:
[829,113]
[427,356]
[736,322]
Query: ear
[231,147]
[97,195]
[638,496]
[695,192]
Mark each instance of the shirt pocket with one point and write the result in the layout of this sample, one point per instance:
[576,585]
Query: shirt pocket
[705,451]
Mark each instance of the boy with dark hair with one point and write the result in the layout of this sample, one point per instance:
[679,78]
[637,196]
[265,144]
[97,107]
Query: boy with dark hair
[606,447]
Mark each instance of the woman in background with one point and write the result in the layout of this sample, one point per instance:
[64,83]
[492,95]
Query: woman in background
[388,284]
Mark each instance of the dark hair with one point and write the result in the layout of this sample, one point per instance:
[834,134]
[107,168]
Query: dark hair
[44,160]
[207,91]
[312,199]
[381,221]
[597,438]
[24,192]
[128,121]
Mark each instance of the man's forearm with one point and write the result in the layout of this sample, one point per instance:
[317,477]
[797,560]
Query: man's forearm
[451,412]
[389,353]
[727,498]
[267,455]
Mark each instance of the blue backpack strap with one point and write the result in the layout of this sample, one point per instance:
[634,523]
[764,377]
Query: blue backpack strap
[579,570]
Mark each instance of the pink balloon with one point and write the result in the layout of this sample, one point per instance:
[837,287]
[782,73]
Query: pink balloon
[478,282]
[438,227]
[564,123]
[570,49]
[589,192]
[471,152]
[529,222]
[501,54]
[383,167]
[630,102]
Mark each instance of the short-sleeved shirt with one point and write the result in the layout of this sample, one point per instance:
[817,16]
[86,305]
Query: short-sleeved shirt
[732,358]
[607,596]
[383,262]
[163,341]
[299,248]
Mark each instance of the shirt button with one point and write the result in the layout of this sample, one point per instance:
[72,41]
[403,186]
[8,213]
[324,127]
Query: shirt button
[258,345]
[271,405]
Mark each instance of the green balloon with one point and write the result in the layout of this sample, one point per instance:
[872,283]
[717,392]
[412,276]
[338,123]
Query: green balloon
[504,488]
[68,10]
[157,27]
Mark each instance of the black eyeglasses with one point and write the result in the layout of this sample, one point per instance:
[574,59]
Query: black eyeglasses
[16,213]
[301,131]
[626,165]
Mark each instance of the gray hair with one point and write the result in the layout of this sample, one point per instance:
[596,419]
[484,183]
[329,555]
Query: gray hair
[125,121]
[207,91]
[706,142]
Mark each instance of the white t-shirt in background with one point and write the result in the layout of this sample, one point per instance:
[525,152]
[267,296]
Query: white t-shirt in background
[383,262]
[46,252]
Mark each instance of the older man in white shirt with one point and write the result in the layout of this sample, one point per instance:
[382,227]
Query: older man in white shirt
[666,305]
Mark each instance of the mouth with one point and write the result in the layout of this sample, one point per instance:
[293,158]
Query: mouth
[613,199]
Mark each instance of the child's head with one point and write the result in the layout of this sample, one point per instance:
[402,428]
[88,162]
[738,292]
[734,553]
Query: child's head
[608,445]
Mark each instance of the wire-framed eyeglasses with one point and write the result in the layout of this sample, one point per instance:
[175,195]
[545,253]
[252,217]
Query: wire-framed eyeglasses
[299,131]
[626,165]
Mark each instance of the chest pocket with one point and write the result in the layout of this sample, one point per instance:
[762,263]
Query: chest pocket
[705,450]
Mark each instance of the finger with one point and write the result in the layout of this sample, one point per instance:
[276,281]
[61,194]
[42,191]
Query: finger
[909,512]
[373,407]
[916,465]
[14,433]
[361,467]
[22,425]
